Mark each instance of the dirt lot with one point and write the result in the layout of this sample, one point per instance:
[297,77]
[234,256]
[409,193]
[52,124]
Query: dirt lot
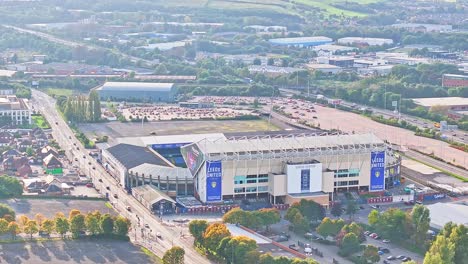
[72,251]
[117,129]
[49,208]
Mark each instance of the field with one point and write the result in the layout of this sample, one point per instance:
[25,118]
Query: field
[331,10]
[73,251]
[59,92]
[40,121]
[117,129]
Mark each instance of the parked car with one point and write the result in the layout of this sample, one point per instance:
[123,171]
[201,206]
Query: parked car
[384,250]
[89,185]
[391,258]
[158,235]
[116,196]
[294,247]
[129,208]
[386,261]
[367,233]
[146,225]
[406,259]
[280,238]
[386,241]
[401,257]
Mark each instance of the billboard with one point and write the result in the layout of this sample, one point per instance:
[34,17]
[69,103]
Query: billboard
[193,158]
[168,146]
[304,178]
[214,174]
[377,174]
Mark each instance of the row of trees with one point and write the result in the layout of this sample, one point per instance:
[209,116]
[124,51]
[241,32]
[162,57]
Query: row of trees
[76,223]
[450,246]
[217,241]
[253,219]
[398,225]
[82,109]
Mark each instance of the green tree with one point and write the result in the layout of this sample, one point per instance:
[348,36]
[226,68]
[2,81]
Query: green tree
[13,229]
[234,249]
[3,226]
[174,255]
[94,104]
[300,223]
[269,216]
[336,210]
[48,226]
[350,244]
[214,234]
[107,224]
[266,259]
[29,151]
[122,226]
[459,237]
[72,213]
[442,250]
[197,228]
[421,221]
[6,210]
[257,61]
[62,226]
[10,187]
[373,217]
[371,254]
[93,223]
[31,228]
[77,225]
[351,208]
[236,216]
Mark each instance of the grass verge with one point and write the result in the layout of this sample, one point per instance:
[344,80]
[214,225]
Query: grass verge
[151,255]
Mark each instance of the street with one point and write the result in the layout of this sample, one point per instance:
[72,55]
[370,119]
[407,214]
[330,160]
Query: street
[102,180]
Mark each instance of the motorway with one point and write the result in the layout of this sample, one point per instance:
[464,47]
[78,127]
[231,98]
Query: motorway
[75,44]
[107,185]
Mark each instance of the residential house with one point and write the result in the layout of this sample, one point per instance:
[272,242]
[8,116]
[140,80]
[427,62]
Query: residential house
[24,143]
[43,152]
[10,153]
[24,171]
[14,163]
[52,165]
[4,142]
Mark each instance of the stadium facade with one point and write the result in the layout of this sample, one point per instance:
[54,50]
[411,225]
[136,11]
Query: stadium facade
[283,168]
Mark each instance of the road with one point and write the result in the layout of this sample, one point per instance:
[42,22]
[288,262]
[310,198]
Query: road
[107,185]
[75,44]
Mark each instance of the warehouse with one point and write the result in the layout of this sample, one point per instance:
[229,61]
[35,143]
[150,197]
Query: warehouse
[301,42]
[137,92]
[364,41]
[287,168]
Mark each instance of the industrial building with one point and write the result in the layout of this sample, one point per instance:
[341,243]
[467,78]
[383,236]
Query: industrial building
[301,42]
[281,167]
[137,91]
[364,41]
[15,108]
[454,80]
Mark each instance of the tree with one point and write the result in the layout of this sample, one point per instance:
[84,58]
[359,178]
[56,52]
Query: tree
[31,228]
[48,226]
[234,249]
[459,237]
[373,217]
[121,225]
[22,221]
[269,216]
[29,151]
[371,254]
[300,223]
[3,226]
[94,106]
[329,227]
[197,228]
[92,224]
[442,251]
[40,218]
[10,187]
[214,234]
[13,229]
[107,224]
[351,208]
[77,225]
[72,213]
[266,259]
[174,255]
[337,210]
[236,216]
[421,221]
[62,225]
[6,210]
[350,244]
[257,61]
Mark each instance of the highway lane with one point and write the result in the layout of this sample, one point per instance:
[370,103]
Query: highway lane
[108,185]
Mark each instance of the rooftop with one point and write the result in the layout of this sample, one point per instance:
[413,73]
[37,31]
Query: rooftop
[131,156]
[136,86]
[442,213]
[151,194]
[442,101]
[157,170]
[300,40]
[321,66]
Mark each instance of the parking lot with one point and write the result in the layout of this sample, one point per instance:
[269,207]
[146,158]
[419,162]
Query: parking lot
[72,251]
[49,207]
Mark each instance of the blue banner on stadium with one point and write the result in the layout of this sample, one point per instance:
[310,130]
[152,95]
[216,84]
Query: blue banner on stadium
[213,181]
[377,181]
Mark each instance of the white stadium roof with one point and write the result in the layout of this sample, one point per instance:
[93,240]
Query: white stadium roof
[136,86]
[291,145]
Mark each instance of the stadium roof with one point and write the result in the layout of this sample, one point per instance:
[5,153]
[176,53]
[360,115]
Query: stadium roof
[442,213]
[163,171]
[136,86]
[131,156]
[151,194]
[442,101]
[295,145]
[168,139]
[300,40]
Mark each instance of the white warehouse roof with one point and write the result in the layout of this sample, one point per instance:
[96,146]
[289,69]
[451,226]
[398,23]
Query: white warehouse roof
[136,86]
[300,40]
[442,213]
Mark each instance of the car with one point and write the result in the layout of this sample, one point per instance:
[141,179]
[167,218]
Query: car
[129,208]
[373,207]
[385,250]
[386,241]
[386,261]
[116,196]
[406,259]
[100,180]
[89,185]
[361,207]
[76,159]
[89,163]
[158,235]
[409,203]
[391,258]
[94,168]
[294,247]
[419,202]
[367,233]
[380,252]
[373,235]
[56,123]
[146,225]
[401,257]
[108,188]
